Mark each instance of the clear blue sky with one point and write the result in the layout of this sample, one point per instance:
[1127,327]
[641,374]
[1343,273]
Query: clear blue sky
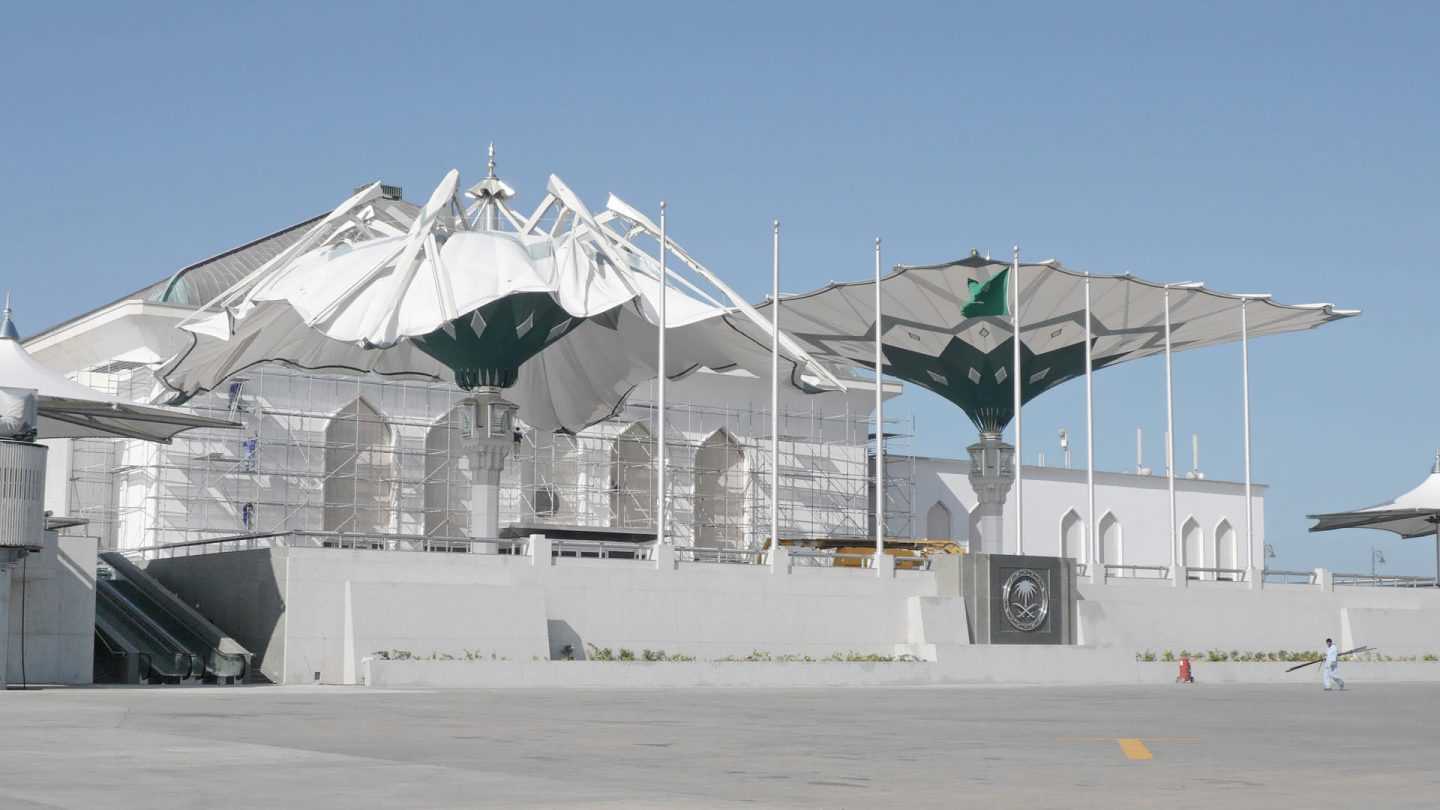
[1289,148]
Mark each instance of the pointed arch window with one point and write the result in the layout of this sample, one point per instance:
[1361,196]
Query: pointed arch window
[938,522]
[1112,542]
[1225,548]
[1192,542]
[1072,536]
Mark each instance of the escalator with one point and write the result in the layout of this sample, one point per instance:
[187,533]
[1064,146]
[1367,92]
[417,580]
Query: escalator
[144,633]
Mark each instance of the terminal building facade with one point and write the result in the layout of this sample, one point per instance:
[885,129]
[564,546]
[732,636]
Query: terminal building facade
[369,460]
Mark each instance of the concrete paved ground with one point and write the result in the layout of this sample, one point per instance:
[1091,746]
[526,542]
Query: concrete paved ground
[319,747]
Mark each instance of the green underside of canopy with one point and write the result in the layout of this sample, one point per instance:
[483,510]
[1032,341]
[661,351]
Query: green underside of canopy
[981,383]
[487,346]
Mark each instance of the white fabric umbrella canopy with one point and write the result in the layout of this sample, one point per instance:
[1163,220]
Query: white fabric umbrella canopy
[1413,514]
[69,410]
[564,317]
[948,326]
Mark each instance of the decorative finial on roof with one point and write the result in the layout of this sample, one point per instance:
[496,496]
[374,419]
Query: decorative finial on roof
[492,187]
[1433,470]
[7,326]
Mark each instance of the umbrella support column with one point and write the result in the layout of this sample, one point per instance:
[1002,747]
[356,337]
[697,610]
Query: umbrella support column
[992,472]
[487,434]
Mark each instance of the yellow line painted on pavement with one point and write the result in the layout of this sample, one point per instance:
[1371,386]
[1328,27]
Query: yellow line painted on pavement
[1134,749]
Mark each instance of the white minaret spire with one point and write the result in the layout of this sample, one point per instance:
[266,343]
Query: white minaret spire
[489,194]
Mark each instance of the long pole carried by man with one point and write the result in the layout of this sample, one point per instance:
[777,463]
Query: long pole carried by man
[1330,663]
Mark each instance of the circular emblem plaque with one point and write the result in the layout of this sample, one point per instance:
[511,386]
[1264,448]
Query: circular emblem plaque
[1025,600]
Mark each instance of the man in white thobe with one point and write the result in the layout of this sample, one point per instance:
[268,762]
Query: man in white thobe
[1330,664]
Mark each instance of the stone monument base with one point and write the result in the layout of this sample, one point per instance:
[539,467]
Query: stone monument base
[1013,599]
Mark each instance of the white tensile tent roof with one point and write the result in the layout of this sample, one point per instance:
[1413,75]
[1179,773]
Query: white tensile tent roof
[69,410]
[948,326]
[1414,514]
[559,307]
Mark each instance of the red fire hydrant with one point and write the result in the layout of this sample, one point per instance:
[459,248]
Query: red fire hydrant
[1185,676]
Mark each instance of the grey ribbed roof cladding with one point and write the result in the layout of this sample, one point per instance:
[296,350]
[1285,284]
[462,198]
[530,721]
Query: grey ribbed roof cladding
[201,282]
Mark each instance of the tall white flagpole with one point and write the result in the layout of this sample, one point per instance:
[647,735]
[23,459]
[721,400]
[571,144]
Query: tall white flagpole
[879,419]
[1097,571]
[660,499]
[1175,555]
[775,396]
[1245,396]
[1016,374]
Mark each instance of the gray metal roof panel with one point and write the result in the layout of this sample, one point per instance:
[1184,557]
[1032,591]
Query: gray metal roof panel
[201,282]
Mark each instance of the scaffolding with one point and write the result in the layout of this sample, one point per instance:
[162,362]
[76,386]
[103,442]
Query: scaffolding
[370,456]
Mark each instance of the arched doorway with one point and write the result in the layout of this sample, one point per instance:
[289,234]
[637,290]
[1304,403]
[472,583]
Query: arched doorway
[447,478]
[632,478]
[359,471]
[719,492]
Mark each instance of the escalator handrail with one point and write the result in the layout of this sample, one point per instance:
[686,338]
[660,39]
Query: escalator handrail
[154,634]
[168,601]
[136,633]
[216,645]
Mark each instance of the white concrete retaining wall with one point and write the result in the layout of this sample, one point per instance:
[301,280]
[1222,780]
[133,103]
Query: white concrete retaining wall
[314,614]
[56,587]
[340,606]
[1039,666]
[1137,615]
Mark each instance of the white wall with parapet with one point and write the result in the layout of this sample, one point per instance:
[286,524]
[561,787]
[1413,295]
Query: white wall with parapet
[340,606]
[1140,504]
[312,610]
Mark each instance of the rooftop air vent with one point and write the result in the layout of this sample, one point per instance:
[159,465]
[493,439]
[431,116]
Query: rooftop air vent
[386,192]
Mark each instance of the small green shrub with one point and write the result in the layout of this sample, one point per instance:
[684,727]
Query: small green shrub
[1429,657]
[599,653]
[858,657]
[627,655]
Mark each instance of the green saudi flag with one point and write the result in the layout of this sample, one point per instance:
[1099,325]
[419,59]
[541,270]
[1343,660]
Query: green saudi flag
[988,298]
